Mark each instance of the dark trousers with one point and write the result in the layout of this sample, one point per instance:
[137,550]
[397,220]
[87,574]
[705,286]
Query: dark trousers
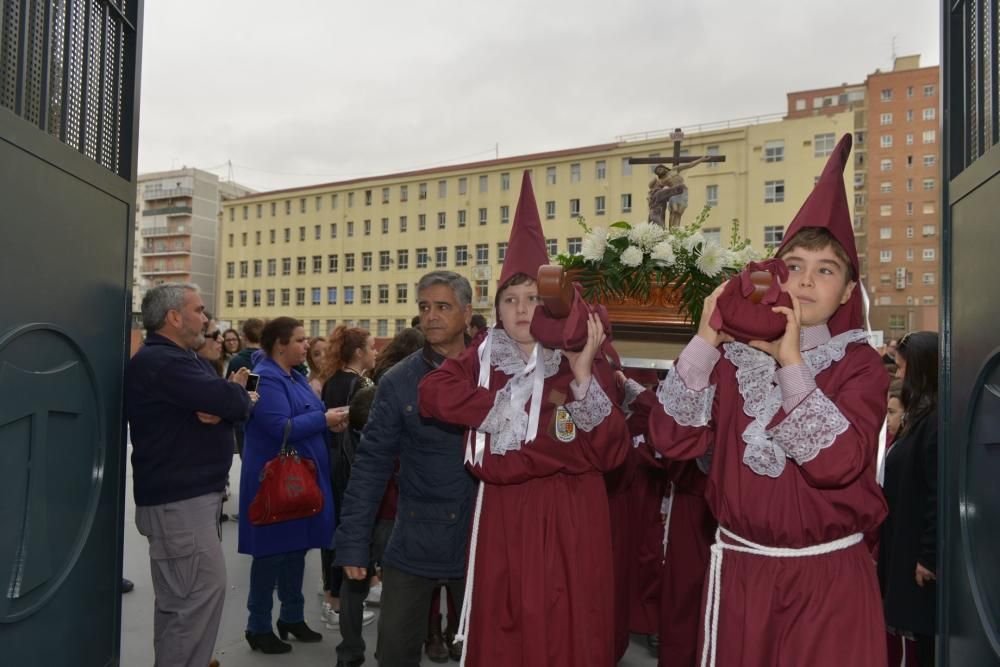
[286,571]
[352,609]
[402,623]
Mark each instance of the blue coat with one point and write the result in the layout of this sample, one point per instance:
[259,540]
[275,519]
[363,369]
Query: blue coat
[436,493]
[284,396]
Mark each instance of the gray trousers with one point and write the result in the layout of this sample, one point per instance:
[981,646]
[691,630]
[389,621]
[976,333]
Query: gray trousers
[189,578]
[402,622]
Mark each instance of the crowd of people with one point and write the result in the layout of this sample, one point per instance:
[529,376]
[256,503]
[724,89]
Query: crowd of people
[731,510]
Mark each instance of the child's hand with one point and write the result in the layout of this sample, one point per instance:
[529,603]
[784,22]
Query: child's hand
[786,349]
[581,362]
[705,330]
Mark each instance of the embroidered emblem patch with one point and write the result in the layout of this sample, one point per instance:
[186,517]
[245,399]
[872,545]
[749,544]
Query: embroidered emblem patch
[565,428]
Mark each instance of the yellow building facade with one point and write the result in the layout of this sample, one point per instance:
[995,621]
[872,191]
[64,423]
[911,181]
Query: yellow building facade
[352,252]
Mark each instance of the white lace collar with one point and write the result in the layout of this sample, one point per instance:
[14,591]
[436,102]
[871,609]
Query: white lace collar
[505,355]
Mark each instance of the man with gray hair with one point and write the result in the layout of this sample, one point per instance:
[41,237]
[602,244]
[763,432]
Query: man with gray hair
[436,494]
[181,416]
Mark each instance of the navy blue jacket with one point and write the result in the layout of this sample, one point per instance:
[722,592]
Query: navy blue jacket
[175,456]
[436,493]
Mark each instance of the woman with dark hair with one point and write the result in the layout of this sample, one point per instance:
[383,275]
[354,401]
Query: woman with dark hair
[908,547]
[279,549]
[405,343]
[231,344]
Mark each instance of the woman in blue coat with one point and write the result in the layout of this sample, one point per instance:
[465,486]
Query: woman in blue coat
[279,549]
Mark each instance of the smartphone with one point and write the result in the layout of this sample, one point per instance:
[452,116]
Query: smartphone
[252,381]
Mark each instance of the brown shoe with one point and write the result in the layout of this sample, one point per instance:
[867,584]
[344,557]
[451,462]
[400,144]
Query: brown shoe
[435,647]
[454,647]
[214,663]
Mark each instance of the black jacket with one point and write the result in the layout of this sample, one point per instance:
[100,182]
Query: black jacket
[436,492]
[175,456]
[909,534]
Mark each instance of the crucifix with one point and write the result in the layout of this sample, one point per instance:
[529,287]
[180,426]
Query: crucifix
[667,190]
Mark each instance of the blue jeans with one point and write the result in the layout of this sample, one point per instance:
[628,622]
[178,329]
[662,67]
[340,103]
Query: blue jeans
[285,570]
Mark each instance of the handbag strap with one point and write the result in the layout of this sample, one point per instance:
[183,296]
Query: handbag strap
[286,449]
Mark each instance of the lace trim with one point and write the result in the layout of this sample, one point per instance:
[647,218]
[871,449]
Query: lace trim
[686,406]
[592,409]
[757,381]
[506,357]
[632,389]
[506,422]
[811,427]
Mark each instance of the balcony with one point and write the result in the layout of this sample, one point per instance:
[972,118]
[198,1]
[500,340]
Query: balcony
[164,249]
[167,270]
[172,230]
[154,193]
[167,211]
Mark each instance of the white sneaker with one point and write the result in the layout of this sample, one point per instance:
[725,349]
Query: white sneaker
[331,618]
[367,617]
[374,595]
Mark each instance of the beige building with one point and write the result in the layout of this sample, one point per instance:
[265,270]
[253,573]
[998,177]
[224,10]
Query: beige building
[353,251]
[177,230]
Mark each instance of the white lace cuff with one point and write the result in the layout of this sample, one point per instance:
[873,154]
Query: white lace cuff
[632,390]
[812,426]
[506,422]
[592,409]
[687,406]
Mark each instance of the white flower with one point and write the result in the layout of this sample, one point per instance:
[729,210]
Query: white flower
[632,256]
[712,260]
[616,233]
[743,257]
[693,241]
[646,235]
[594,244]
[663,253]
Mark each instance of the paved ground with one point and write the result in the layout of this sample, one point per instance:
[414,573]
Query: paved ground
[231,648]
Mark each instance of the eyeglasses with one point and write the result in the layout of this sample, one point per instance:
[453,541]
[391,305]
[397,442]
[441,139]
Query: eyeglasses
[214,335]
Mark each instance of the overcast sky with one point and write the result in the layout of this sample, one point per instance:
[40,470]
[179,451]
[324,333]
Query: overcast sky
[300,92]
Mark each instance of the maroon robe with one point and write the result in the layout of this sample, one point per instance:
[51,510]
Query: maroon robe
[543,581]
[815,610]
[624,545]
[647,501]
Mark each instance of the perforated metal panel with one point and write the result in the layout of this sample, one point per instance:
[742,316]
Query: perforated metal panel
[67,74]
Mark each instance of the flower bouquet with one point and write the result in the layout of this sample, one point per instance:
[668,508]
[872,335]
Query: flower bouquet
[626,262]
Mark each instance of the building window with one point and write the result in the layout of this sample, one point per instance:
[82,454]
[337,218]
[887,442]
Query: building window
[368,197]
[401,324]
[599,205]
[626,167]
[334,199]
[302,233]
[385,225]
[368,227]
[552,247]
[402,224]
[422,258]
[286,297]
[402,259]
[272,267]
[712,195]
[366,295]
[350,228]
[331,263]
[929,91]
[461,218]
[574,245]
[928,208]
[270,297]
[909,208]
[774,150]
[401,292]
[243,298]
[286,266]
[885,187]
[229,298]
[574,208]
[502,252]
[440,257]
[383,295]
[317,296]
[442,220]
[885,256]
[230,269]
[930,160]
[300,265]
[331,296]
[929,254]
[600,170]
[442,189]
[482,254]
[384,260]
[930,113]
[484,184]
[929,183]
[482,292]
[885,141]
[300,296]
[574,172]
[422,191]
[366,261]
[627,203]
[885,210]
[885,164]
[349,262]
[823,144]
[349,295]
[929,230]
[774,192]
[505,181]
[773,235]
[404,193]
[463,185]
[885,233]
[421,222]
[909,231]
[550,210]
[272,236]
[461,255]
[504,215]
[317,263]
[288,207]
[550,175]
[482,216]
[886,95]
[885,119]
[928,278]
[929,136]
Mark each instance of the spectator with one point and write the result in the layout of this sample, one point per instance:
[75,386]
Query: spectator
[908,548]
[889,357]
[279,549]
[231,345]
[415,322]
[894,413]
[244,359]
[405,343]
[211,349]
[431,532]
[317,350]
[181,417]
[477,324]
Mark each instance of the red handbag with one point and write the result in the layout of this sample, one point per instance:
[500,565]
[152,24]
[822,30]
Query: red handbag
[288,487]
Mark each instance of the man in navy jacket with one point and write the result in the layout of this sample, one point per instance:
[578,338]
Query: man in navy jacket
[181,418]
[436,493]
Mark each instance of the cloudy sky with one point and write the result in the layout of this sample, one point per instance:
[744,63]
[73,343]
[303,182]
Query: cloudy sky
[311,91]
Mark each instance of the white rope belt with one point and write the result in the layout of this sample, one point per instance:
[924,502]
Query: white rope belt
[462,633]
[708,649]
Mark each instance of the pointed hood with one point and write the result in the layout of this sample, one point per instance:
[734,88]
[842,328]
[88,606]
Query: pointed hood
[827,207]
[526,249]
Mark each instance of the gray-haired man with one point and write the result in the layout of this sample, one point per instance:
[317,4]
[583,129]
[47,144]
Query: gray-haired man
[181,416]
[428,542]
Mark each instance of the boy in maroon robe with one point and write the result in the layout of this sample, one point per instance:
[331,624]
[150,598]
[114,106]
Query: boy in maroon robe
[543,429]
[791,427]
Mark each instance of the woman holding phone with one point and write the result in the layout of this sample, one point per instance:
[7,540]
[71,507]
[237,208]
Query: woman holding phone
[279,549]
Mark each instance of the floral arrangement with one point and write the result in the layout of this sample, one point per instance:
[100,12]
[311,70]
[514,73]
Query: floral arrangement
[626,262]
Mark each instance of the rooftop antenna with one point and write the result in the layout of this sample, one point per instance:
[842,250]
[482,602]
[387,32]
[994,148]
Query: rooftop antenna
[229,172]
[894,50]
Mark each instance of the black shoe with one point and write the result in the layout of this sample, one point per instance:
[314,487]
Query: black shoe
[299,630]
[223,517]
[127,586]
[267,643]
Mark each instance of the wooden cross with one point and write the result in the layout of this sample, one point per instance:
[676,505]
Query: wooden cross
[678,136]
